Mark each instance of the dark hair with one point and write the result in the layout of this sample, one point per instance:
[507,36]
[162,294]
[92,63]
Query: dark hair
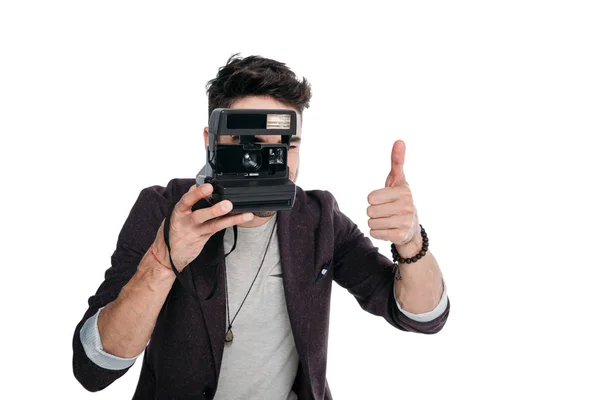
[256,76]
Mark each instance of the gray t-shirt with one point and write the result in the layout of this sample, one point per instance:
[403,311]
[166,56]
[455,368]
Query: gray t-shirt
[262,361]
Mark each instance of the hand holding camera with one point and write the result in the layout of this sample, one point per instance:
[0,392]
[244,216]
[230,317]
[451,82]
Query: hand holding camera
[190,230]
[244,178]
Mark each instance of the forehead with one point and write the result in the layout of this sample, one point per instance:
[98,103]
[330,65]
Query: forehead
[266,102]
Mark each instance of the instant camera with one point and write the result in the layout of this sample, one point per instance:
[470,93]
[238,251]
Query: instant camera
[253,176]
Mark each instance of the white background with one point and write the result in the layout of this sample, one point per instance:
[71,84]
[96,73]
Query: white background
[498,103]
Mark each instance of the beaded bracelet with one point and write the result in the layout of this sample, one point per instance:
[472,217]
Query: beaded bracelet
[399,260]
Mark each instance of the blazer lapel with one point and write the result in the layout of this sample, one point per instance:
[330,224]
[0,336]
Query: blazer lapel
[296,247]
[205,268]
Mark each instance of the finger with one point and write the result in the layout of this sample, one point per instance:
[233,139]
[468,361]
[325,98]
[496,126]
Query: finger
[396,175]
[389,194]
[219,224]
[187,201]
[393,222]
[398,236]
[384,210]
[204,214]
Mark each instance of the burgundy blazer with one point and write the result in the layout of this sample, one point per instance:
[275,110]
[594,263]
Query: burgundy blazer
[183,358]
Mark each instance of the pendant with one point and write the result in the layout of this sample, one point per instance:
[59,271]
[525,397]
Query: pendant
[228,338]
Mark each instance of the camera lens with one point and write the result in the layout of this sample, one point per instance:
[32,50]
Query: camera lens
[251,161]
[276,156]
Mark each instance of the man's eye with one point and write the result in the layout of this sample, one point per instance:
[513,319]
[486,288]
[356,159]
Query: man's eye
[293,147]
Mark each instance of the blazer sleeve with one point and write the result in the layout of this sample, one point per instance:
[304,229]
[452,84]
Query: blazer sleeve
[367,274]
[136,236]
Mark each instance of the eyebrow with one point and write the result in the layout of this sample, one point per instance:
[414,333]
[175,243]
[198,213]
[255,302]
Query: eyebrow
[294,139]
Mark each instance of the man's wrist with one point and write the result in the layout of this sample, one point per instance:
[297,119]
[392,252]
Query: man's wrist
[411,248]
[154,270]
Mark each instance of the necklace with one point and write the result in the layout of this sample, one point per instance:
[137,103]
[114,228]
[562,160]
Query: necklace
[229,333]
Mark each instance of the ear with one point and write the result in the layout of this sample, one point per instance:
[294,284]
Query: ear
[206,136]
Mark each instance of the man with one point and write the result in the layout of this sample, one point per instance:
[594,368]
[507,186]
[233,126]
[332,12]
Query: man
[263,333]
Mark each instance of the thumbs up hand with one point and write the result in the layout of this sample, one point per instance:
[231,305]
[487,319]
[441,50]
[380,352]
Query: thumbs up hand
[392,213]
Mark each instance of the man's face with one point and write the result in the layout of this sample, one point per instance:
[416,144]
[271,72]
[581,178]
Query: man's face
[267,102]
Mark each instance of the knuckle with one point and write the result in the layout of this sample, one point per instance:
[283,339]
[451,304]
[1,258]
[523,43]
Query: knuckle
[400,235]
[404,192]
[197,218]
[175,215]
[212,226]
[194,217]
[179,206]
[187,199]
[399,190]
[371,198]
[216,210]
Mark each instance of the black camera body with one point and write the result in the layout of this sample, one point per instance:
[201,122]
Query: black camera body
[253,176]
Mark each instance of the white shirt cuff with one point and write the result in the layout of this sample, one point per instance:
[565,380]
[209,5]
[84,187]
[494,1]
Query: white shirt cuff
[92,345]
[428,316]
